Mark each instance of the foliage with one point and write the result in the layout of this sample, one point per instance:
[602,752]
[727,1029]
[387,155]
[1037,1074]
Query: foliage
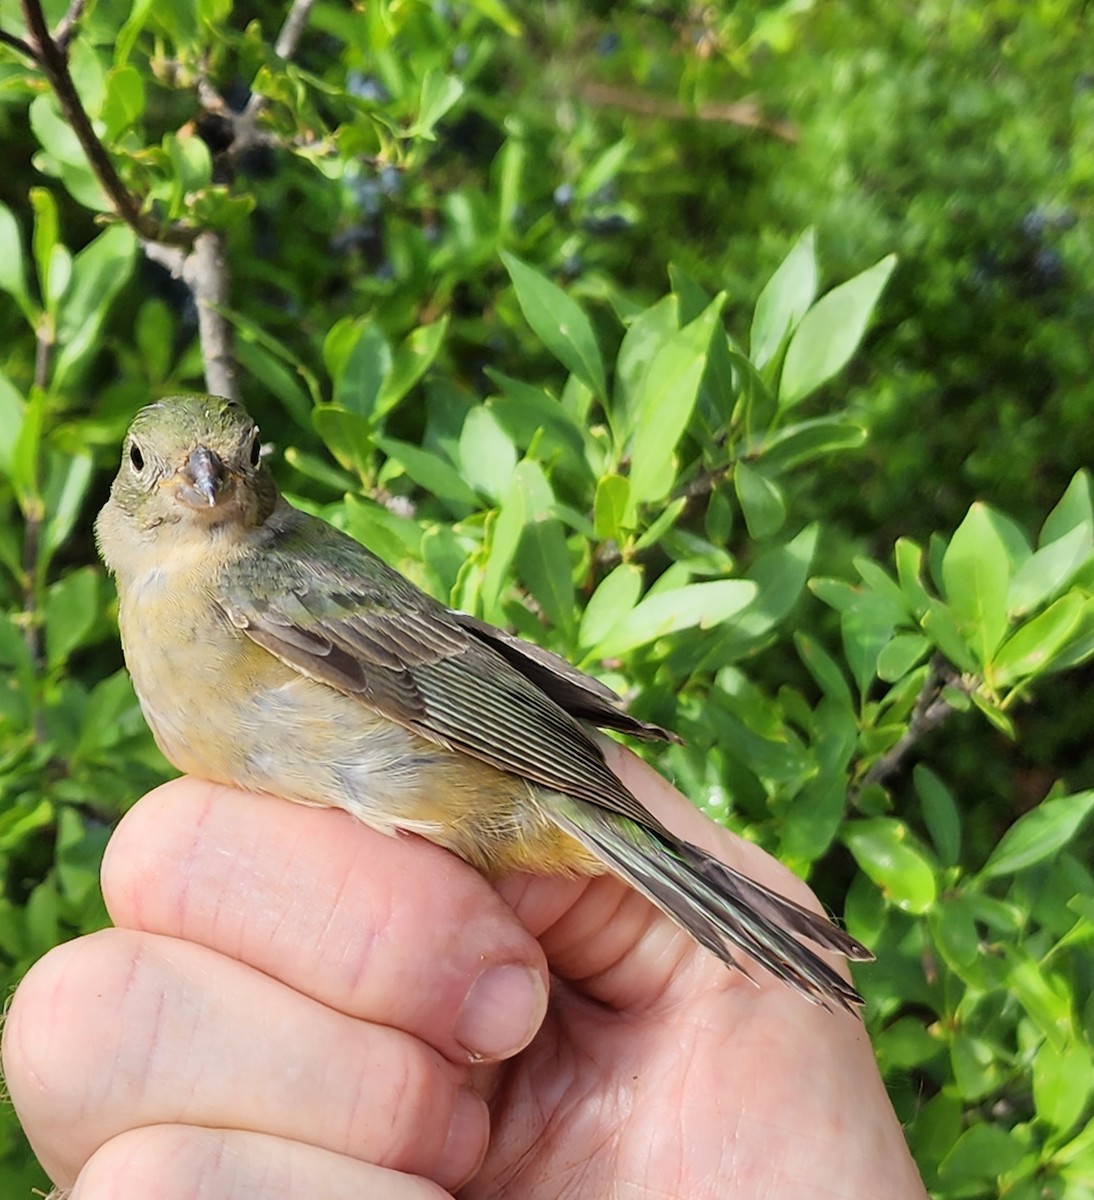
[461,349]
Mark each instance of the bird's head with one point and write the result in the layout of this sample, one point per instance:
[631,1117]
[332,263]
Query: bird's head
[197,460]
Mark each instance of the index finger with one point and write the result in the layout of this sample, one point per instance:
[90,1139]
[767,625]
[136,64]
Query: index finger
[387,929]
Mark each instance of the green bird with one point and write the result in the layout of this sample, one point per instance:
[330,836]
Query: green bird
[272,652]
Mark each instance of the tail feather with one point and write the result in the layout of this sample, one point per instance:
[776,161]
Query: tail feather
[719,907]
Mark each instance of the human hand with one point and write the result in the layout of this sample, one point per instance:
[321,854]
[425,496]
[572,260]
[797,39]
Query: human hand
[286,1007]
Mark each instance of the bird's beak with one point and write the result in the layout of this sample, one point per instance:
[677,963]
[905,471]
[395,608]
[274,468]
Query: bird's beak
[204,476]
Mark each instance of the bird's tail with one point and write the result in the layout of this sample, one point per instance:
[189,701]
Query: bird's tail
[722,909]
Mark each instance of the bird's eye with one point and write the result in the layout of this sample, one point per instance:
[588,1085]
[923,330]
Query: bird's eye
[136,457]
[256,450]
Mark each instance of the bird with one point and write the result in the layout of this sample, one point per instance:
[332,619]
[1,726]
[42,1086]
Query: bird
[271,651]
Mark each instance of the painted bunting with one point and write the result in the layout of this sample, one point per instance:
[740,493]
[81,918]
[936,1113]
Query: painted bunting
[271,651]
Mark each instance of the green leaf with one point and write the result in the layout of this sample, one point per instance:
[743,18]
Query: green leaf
[761,500]
[981,1155]
[939,625]
[785,299]
[45,243]
[543,561]
[1031,649]
[412,359]
[661,613]
[866,629]
[559,323]
[665,404]
[487,456]
[785,449]
[613,494]
[909,568]
[439,93]
[646,334]
[69,479]
[1075,509]
[123,104]
[900,655]
[830,332]
[13,276]
[940,814]
[1063,1079]
[1049,569]
[1039,834]
[359,360]
[976,576]
[12,406]
[503,534]
[824,669]
[882,849]
[347,436]
[429,471]
[71,611]
[529,413]
[99,272]
[616,594]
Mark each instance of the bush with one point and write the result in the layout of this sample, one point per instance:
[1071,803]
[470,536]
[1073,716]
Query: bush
[451,324]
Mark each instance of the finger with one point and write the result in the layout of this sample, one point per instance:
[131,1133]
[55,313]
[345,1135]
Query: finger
[620,948]
[120,1029]
[181,1162]
[389,929]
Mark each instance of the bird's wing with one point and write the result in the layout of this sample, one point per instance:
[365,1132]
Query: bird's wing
[328,608]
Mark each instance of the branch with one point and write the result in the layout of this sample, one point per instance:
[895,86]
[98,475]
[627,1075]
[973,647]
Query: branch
[746,113]
[293,29]
[931,710]
[206,274]
[16,43]
[66,27]
[51,57]
[246,132]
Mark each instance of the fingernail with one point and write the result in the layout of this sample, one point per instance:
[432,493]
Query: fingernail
[465,1147]
[502,1012]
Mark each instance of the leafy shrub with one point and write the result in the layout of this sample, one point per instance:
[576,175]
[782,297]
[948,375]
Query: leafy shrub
[454,332]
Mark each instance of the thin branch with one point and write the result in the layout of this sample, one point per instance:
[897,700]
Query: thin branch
[293,29]
[17,43]
[931,710]
[54,63]
[66,27]
[206,274]
[285,47]
[746,113]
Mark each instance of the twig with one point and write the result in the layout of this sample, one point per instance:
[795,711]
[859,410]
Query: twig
[66,27]
[51,57]
[206,274]
[931,710]
[17,43]
[746,113]
[246,131]
[293,29]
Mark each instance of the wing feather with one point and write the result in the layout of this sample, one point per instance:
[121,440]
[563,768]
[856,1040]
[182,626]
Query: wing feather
[330,609]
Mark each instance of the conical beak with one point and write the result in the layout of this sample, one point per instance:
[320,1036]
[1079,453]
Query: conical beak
[205,473]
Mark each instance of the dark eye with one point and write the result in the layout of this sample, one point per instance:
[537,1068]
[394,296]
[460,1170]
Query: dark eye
[256,450]
[136,457]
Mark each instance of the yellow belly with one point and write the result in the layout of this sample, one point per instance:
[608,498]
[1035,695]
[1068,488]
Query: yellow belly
[223,708]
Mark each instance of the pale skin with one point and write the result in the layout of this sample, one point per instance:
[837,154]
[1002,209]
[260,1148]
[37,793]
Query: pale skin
[287,1007]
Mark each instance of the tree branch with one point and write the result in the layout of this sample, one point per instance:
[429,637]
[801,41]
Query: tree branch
[931,710]
[745,113]
[51,57]
[206,274]
[246,132]
[66,27]
[17,43]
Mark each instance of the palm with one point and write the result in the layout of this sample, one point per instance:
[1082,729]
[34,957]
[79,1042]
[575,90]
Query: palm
[662,1074]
